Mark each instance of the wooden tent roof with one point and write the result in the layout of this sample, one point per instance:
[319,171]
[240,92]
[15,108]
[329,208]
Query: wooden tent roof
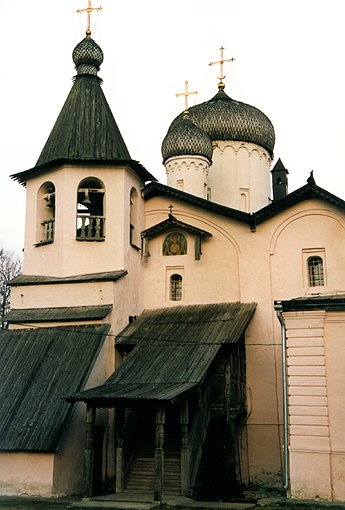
[37,368]
[173,349]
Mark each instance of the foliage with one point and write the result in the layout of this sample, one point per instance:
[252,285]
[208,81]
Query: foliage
[10,266]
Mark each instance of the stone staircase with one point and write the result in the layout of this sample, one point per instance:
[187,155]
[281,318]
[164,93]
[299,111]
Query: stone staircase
[141,475]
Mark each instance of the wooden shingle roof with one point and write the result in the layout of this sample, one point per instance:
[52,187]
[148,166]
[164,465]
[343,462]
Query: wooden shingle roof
[110,276]
[37,368]
[57,314]
[173,350]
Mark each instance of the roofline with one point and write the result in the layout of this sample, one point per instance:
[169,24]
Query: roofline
[87,278]
[330,302]
[138,168]
[307,192]
[154,189]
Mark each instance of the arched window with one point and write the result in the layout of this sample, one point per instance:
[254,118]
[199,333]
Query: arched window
[175,287]
[175,243]
[315,271]
[134,238]
[45,213]
[90,210]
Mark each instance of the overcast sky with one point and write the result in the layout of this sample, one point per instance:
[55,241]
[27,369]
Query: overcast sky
[289,63]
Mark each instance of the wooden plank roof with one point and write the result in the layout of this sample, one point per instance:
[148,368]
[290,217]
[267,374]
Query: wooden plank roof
[68,313]
[37,368]
[173,350]
[109,276]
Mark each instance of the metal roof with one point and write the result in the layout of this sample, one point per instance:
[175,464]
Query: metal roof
[174,348]
[37,368]
[333,302]
[46,280]
[57,314]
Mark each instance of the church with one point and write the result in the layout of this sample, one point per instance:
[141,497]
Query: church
[177,339]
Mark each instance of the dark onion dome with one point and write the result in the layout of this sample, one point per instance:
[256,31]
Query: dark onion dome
[87,56]
[224,118]
[184,138]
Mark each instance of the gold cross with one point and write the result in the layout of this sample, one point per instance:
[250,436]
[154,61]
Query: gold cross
[186,93]
[170,207]
[89,10]
[221,62]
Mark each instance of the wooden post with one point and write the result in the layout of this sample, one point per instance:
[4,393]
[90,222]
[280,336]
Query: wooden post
[159,455]
[230,429]
[89,451]
[119,467]
[185,472]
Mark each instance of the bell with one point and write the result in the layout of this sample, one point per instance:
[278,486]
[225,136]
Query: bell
[86,200]
[49,200]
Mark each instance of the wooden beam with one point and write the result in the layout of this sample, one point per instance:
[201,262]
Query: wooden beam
[159,455]
[185,471]
[89,452]
[119,461]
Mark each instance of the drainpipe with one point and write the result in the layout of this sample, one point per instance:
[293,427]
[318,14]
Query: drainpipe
[278,308]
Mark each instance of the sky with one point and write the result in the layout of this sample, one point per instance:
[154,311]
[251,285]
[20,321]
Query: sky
[289,63]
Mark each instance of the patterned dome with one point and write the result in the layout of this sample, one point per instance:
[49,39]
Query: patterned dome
[87,56]
[223,118]
[184,138]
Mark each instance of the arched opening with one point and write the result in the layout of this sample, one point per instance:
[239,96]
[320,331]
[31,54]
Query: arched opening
[45,213]
[90,210]
[315,271]
[175,287]
[133,227]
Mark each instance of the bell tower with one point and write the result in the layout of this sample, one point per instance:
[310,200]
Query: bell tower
[79,216]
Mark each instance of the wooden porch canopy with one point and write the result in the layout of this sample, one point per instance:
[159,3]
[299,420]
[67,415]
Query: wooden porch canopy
[171,351]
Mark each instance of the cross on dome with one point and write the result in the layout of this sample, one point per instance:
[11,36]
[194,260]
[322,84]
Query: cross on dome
[89,9]
[221,62]
[186,93]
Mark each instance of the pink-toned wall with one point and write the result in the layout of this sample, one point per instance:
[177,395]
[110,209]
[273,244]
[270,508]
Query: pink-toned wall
[316,378]
[26,474]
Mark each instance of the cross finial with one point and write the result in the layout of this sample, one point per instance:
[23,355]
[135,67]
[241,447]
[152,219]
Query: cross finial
[221,63]
[186,93]
[89,9]
[170,207]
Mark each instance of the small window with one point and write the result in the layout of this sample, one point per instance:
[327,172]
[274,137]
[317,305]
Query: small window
[315,271]
[180,184]
[175,243]
[175,287]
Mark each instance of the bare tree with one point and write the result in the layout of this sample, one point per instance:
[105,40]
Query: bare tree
[10,266]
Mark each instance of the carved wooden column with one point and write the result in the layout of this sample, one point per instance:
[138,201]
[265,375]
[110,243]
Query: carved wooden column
[185,473]
[119,468]
[89,451]
[230,429]
[159,455]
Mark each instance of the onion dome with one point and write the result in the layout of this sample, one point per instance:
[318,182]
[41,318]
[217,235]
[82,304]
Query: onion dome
[87,56]
[223,118]
[184,138]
